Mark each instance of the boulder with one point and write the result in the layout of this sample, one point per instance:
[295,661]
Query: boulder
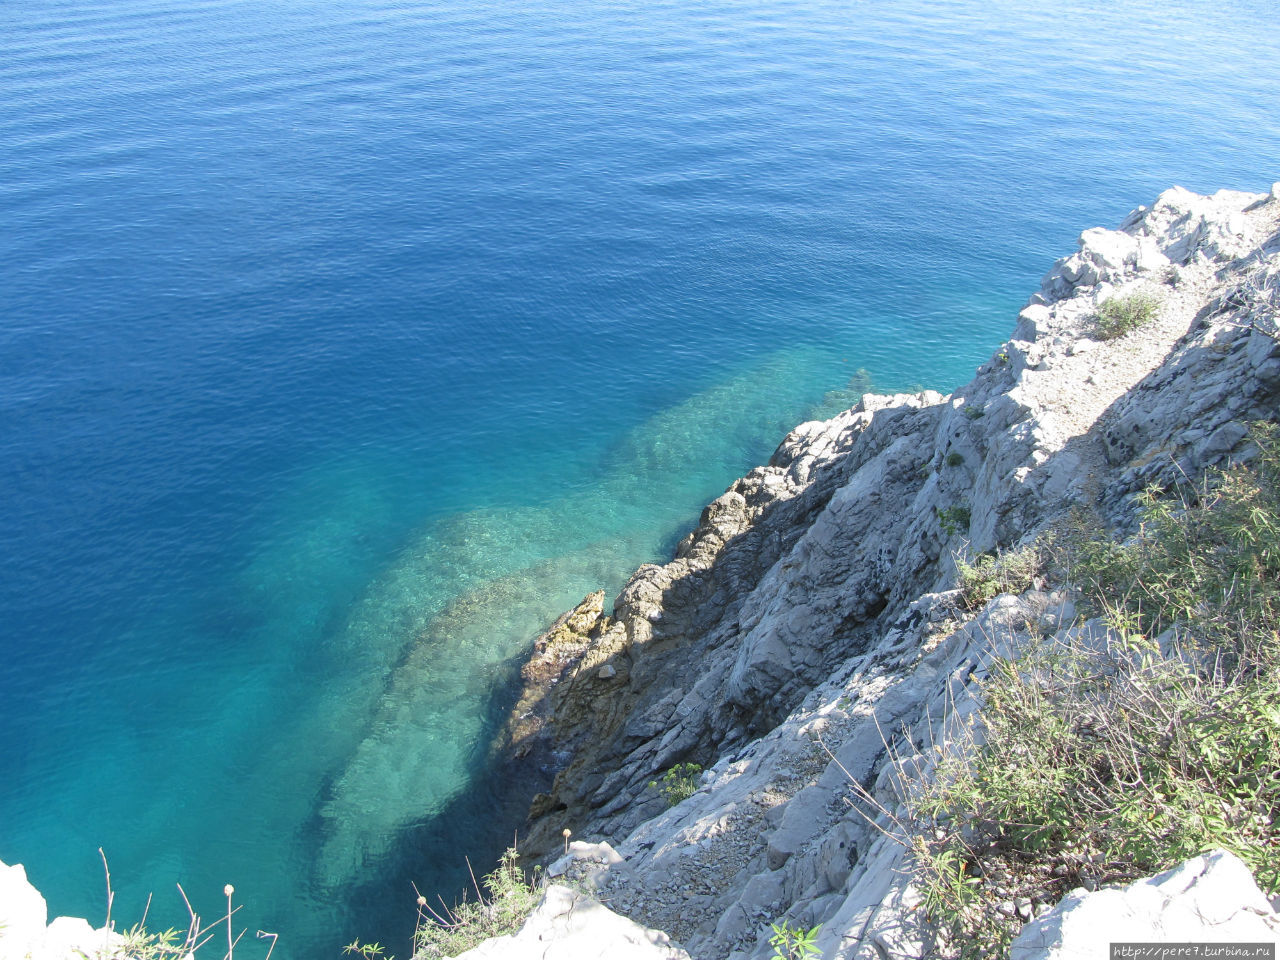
[1211,898]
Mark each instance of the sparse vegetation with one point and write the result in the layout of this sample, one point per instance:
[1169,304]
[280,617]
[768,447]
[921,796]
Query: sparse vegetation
[990,575]
[139,943]
[679,783]
[1122,314]
[367,951]
[793,943]
[500,908]
[1119,756]
[954,459]
[954,519]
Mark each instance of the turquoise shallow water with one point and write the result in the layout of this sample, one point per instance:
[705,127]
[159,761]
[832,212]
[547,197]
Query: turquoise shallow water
[344,344]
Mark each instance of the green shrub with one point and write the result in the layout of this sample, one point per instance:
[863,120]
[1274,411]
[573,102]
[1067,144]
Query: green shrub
[954,519]
[793,943]
[366,951]
[679,783]
[1105,762]
[1207,561]
[141,944]
[990,575]
[1121,314]
[499,909]
[954,459]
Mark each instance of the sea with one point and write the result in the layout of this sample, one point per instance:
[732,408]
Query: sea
[345,343]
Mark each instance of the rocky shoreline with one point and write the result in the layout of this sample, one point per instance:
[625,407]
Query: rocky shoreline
[811,614]
[808,649]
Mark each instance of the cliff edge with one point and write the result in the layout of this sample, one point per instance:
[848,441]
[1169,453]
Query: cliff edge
[807,635]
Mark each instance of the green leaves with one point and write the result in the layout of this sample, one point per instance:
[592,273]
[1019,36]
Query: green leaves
[501,908]
[990,575]
[679,783]
[793,943]
[367,951]
[954,519]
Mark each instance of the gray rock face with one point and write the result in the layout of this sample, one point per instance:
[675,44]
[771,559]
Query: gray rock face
[1209,899]
[804,645]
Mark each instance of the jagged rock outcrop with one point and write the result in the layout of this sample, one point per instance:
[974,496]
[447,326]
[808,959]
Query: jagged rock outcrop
[781,829]
[1209,899]
[810,559]
[804,640]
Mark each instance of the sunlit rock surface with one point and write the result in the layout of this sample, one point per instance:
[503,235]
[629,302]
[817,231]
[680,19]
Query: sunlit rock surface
[804,641]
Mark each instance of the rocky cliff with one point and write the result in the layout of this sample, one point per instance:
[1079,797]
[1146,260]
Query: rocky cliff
[806,635]
[24,934]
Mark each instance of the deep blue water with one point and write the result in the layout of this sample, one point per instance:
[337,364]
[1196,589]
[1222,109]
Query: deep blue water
[346,343]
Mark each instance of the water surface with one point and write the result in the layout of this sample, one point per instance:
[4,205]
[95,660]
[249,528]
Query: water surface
[344,344]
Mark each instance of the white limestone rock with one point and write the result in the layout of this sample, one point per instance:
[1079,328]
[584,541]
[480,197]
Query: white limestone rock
[1177,227]
[23,913]
[570,926]
[1209,899]
[24,935]
[73,937]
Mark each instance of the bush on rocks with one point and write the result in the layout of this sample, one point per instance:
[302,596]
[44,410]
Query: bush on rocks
[1131,747]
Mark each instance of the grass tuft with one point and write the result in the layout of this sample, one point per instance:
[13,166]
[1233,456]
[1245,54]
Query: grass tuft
[990,575]
[954,519]
[1122,314]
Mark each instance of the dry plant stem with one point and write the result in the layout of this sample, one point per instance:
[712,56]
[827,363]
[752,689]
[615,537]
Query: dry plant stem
[110,893]
[231,945]
[864,794]
[443,906]
[194,930]
[146,911]
[263,935]
[423,902]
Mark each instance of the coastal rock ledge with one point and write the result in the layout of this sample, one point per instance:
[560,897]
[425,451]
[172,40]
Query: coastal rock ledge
[807,640]
[25,936]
